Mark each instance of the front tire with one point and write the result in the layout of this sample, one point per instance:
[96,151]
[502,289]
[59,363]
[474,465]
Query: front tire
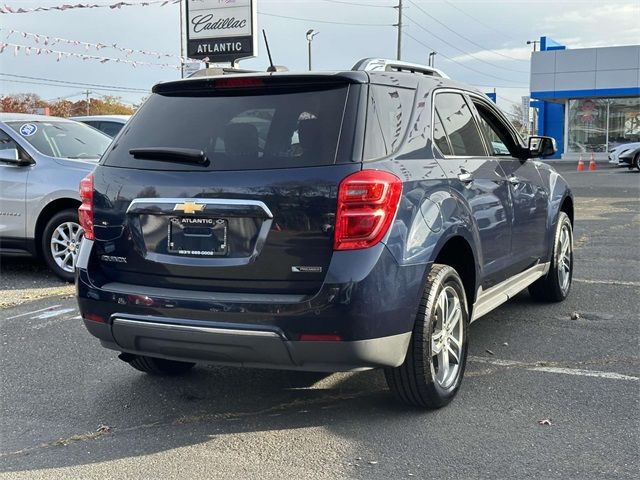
[636,162]
[61,240]
[555,286]
[434,366]
[160,366]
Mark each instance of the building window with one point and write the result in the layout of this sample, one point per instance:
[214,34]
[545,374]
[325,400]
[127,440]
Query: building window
[600,124]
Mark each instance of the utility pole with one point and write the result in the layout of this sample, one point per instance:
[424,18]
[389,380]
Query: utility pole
[399,25]
[88,102]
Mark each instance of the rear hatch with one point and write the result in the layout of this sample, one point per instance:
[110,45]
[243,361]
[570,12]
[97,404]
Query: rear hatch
[227,184]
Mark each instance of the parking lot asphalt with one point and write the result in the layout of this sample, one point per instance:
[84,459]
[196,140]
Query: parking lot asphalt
[544,396]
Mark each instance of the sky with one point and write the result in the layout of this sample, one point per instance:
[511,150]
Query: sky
[482,43]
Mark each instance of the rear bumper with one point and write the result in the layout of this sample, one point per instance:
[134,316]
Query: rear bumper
[246,347]
[367,299]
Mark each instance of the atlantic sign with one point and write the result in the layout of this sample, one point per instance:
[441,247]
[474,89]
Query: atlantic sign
[221,30]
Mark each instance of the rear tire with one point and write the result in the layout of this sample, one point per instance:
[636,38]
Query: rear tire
[555,286]
[60,243]
[160,366]
[436,358]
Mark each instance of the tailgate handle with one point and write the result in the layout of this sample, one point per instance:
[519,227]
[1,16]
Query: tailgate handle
[208,207]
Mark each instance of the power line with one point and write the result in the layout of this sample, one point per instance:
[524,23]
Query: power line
[465,38]
[78,84]
[461,50]
[486,25]
[453,46]
[462,64]
[66,86]
[327,21]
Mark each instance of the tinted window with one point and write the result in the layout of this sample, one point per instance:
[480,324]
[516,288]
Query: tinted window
[388,115]
[110,128]
[459,125]
[439,137]
[244,129]
[63,139]
[499,140]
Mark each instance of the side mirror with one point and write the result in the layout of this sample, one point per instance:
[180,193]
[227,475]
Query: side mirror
[12,156]
[542,146]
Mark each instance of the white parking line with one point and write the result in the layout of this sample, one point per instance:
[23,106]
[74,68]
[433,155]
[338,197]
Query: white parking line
[608,282]
[35,311]
[52,313]
[567,371]
[585,373]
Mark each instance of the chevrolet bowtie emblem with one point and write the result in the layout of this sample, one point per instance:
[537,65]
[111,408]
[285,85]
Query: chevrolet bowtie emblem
[189,207]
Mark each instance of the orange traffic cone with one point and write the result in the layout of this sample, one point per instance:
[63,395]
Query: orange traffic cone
[581,164]
[592,163]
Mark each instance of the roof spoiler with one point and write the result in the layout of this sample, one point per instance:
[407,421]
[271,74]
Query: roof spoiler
[386,65]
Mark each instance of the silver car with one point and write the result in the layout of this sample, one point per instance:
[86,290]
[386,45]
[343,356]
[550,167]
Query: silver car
[42,160]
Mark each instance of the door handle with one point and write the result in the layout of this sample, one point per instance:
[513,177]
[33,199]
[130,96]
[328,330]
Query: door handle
[465,177]
[513,180]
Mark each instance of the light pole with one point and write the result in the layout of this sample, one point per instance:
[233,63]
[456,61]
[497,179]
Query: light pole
[310,34]
[534,43]
[432,59]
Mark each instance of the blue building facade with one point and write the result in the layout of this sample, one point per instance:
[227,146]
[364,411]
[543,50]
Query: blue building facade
[588,99]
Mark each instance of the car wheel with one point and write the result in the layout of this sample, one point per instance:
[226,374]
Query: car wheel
[636,162]
[555,286]
[61,240]
[436,358]
[160,366]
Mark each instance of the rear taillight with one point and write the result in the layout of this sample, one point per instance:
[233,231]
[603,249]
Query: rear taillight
[367,202]
[85,212]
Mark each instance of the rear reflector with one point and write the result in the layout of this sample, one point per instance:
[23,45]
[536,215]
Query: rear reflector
[308,337]
[94,317]
[85,212]
[367,203]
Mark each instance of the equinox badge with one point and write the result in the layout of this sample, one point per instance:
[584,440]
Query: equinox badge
[189,207]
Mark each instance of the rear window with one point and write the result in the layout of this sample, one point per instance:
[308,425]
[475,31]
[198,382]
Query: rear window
[241,129]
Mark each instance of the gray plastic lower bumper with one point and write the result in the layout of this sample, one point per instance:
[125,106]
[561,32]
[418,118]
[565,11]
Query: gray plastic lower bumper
[247,347]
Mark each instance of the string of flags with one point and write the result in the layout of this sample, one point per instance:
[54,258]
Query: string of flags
[28,50]
[50,41]
[69,6]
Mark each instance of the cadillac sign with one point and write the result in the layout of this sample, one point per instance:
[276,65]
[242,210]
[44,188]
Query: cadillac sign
[221,30]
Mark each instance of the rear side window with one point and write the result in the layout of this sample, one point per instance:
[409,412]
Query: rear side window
[440,137]
[239,130]
[110,128]
[388,113]
[459,125]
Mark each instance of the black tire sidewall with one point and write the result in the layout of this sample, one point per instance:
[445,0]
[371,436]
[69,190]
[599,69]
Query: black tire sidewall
[563,219]
[68,215]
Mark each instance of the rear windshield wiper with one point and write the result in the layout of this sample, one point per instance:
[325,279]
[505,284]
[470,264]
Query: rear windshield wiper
[170,154]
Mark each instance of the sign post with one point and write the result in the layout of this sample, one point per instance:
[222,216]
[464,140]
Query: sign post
[221,30]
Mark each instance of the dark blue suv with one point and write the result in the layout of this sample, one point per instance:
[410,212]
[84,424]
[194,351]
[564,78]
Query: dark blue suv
[321,221]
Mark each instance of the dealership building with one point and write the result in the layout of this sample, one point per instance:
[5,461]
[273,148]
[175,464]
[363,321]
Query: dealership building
[588,99]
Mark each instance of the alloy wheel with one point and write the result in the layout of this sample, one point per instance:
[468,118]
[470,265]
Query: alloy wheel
[65,245]
[564,258]
[447,338]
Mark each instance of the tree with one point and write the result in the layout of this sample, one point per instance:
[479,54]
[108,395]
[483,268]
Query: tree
[29,103]
[21,103]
